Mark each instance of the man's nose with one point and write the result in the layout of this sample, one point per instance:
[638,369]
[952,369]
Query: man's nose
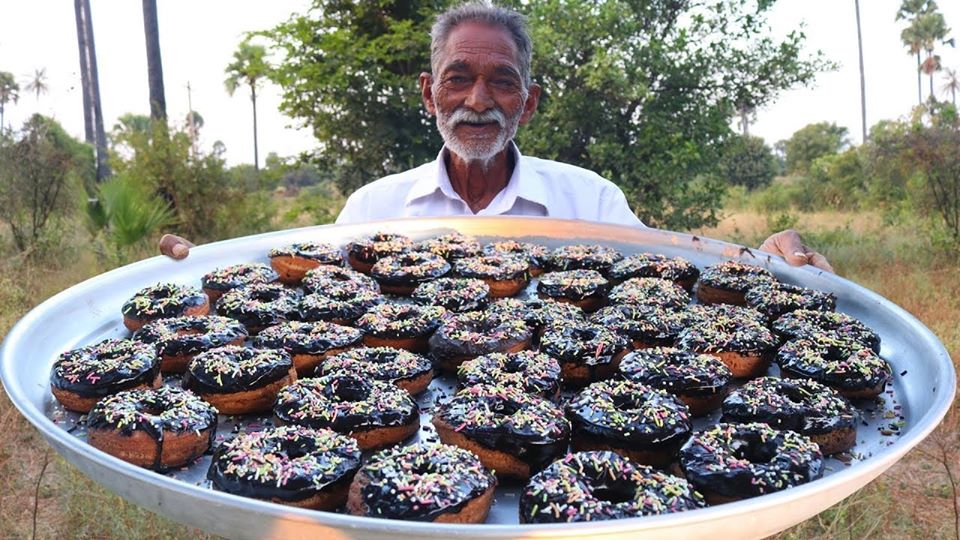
[479,98]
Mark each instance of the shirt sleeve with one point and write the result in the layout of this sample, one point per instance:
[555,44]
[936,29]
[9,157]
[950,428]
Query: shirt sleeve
[615,209]
[352,211]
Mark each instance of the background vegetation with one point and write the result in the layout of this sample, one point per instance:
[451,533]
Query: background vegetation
[661,83]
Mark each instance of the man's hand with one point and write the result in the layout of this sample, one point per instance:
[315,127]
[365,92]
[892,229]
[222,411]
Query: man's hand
[174,246]
[789,244]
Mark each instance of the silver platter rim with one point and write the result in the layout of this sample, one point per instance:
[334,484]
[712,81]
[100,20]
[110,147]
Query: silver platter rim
[156,491]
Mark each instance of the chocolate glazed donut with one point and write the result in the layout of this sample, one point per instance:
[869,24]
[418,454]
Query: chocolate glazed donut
[362,254]
[513,433]
[745,346]
[676,269]
[805,323]
[729,281]
[586,289]
[225,279]
[595,486]
[293,261]
[636,421]
[699,380]
[260,305]
[81,377]
[308,343]
[237,380]
[586,352]
[399,367]
[730,462]
[159,429]
[533,372]
[161,302]
[774,299]
[291,465]
[401,274]
[468,335]
[800,405]
[178,340]
[423,482]
[842,364]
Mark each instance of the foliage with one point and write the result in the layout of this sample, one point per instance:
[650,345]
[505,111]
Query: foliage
[128,211]
[811,142]
[349,73]
[748,161]
[9,93]
[640,92]
[249,67]
[41,168]
[838,180]
[933,150]
[196,185]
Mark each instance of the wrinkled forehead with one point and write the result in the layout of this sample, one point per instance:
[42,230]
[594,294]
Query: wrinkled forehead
[477,45]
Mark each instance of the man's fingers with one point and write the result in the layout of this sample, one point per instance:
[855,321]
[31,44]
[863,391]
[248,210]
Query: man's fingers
[820,262]
[174,246]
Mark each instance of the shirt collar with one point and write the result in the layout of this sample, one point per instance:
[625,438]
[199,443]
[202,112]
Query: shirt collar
[523,184]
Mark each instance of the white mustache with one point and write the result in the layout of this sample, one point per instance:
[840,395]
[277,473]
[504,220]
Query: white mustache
[466,115]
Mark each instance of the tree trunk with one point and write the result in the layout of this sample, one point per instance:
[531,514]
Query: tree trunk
[91,86]
[919,82]
[863,80]
[84,72]
[158,101]
[253,99]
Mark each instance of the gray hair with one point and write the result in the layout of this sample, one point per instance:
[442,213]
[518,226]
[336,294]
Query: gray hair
[485,12]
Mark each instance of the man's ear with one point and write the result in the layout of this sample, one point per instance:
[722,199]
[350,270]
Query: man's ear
[426,92]
[530,106]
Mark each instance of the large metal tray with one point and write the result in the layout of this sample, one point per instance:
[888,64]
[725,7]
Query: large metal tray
[914,404]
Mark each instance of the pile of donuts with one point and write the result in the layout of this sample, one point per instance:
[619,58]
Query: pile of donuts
[583,393]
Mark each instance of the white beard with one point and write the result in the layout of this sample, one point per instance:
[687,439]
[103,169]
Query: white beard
[476,150]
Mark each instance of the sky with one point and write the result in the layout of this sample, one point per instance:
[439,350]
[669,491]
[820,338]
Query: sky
[198,37]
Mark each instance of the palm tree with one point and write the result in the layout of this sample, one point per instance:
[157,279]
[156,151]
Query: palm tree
[9,93]
[38,84]
[90,80]
[932,30]
[863,80]
[249,67]
[158,101]
[910,11]
[951,85]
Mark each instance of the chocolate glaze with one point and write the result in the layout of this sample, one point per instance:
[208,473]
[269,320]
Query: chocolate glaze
[654,265]
[413,267]
[582,343]
[573,284]
[533,372]
[154,412]
[629,414]
[315,251]
[676,371]
[638,322]
[422,481]
[735,276]
[259,305]
[382,363]
[583,257]
[238,275]
[345,403]
[190,335]
[773,299]
[535,253]
[105,368]
[335,280]
[650,291]
[338,305]
[233,368]
[454,294]
[595,486]
[476,333]
[398,321]
[163,300]
[697,314]
[840,363]
[497,267]
[381,244]
[804,323]
[451,246]
[507,419]
[290,463]
[297,337]
[800,405]
[726,334]
[536,312]
[747,460]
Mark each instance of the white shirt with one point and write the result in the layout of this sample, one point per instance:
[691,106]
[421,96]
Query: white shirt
[537,187]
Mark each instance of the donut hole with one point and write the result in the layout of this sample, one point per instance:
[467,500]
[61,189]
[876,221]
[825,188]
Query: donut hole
[793,394]
[160,294]
[627,402]
[754,451]
[504,407]
[151,409]
[349,389]
[615,493]
[263,296]
[513,365]
[584,334]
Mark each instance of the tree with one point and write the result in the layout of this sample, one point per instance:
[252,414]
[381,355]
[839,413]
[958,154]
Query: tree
[39,166]
[38,83]
[640,92]
[151,32]
[90,81]
[249,67]
[911,36]
[932,29]
[863,80]
[951,84]
[9,93]
[747,161]
[811,142]
[931,149]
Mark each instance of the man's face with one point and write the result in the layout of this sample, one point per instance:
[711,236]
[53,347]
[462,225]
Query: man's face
[477,92]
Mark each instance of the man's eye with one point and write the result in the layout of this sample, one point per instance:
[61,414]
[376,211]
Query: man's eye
[505,83]
[456,79]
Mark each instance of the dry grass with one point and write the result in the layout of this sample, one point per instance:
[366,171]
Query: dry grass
[913,500]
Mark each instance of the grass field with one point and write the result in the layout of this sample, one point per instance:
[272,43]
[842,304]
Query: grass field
[915,499]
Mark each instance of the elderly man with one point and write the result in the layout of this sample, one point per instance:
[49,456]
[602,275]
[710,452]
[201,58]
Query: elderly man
[480,91]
